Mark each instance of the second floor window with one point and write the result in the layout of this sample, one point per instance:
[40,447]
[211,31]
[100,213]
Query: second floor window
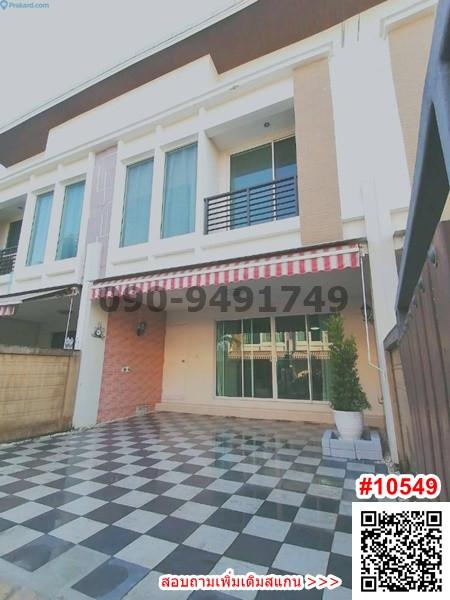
[39,231]
[69,231]
[180,189]
[136,208]
[12,241]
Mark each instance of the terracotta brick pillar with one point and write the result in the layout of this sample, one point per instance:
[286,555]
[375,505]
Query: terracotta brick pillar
[124,392]
[320,211]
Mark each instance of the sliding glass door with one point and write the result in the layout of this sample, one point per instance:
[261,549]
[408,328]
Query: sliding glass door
[229,358]
[292,358]
[247,170]
[278,357]
[285,166]
[319,354]
[244,358]
[257,358]
[259,188]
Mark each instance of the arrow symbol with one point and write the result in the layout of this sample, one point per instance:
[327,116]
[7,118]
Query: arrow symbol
[333,581]
[322,582]
[310,581]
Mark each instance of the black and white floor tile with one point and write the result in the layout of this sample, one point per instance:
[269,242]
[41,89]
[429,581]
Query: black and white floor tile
[103,512]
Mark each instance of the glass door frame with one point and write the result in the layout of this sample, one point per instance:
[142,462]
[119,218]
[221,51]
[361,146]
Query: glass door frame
[272,143]
[275,365]
[274,359]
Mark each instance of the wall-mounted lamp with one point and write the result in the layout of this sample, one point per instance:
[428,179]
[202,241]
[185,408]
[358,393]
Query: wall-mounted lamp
[369,312]
[140,329]
[99,331]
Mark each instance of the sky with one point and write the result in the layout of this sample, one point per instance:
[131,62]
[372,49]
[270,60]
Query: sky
[48,51]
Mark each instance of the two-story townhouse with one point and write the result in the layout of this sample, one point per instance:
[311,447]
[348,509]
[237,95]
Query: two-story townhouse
[195,216]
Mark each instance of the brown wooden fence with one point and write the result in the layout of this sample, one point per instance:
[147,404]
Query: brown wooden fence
[423,413]
[37,391]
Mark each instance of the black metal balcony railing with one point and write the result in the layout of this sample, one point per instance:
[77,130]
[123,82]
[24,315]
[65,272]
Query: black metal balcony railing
[7,260]
[258,204]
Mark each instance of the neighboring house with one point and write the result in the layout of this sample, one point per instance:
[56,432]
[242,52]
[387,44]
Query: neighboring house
[418,347]
[273,147]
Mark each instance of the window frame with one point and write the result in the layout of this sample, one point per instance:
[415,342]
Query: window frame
[275,397]
[31,239]
[272,143]
[168,152]
[127,165]
[67,185]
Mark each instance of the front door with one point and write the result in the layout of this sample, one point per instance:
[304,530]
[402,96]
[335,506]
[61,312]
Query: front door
[176,357]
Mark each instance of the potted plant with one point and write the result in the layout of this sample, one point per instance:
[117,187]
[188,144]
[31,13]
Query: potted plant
[347,397]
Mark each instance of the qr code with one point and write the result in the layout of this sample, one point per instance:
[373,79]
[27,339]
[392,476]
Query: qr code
[401,547]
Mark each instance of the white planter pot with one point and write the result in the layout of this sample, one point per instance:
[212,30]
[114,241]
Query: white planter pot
[349,424]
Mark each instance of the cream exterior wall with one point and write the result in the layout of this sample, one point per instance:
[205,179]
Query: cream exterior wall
[316,154]
[409,44]
[189,371]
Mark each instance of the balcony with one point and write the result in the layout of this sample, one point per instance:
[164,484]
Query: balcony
[7,260]
[250,206]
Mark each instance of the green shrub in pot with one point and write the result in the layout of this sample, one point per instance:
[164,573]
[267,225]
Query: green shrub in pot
[347,398]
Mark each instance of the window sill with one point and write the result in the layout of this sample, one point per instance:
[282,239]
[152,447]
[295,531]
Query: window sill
[292,403]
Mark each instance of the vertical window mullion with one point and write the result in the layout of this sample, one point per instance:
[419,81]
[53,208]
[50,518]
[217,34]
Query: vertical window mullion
[252,367]
[274,192]
[242,360]
[274,359]
[309,358]
[272,144]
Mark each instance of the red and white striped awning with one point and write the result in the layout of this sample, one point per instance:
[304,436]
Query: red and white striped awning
[8,310]
[278,265]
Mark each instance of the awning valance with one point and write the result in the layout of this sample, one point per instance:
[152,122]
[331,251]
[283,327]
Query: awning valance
[292,263]
[7,311]
[9,304]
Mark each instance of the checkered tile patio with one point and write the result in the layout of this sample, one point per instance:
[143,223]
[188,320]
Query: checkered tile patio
[103,512]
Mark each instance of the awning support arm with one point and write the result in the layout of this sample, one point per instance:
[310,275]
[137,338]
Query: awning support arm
[366,321]
[68,318]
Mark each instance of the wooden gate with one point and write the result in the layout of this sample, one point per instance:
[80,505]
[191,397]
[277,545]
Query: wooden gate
[425,356]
